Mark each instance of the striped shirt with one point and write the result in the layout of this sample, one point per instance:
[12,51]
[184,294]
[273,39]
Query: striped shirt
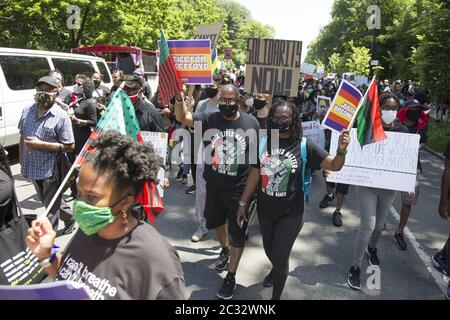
[53,126]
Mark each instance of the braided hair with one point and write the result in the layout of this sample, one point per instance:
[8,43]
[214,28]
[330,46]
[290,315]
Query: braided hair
[296,128]
[128,162]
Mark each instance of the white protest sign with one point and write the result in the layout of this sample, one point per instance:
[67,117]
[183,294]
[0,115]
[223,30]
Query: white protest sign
[273,66]
[361,80]
[314,131]
[159,142]
[389,164]
[209,31]
[307,68]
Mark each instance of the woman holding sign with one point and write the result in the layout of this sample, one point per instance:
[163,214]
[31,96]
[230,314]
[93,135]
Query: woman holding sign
[278,179]
[374,203]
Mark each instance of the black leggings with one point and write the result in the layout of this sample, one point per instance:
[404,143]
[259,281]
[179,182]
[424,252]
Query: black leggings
[278,239]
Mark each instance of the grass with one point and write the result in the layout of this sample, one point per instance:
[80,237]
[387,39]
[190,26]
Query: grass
[438,135]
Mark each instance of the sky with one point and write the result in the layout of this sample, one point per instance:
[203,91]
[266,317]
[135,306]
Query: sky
[292,19]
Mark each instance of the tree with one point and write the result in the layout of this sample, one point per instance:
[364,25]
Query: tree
[359,60]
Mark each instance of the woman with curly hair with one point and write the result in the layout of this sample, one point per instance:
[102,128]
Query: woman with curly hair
[114,255]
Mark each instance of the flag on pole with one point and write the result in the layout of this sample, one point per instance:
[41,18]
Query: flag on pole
[370,128]
[120,116]
[214,62]
[169,81]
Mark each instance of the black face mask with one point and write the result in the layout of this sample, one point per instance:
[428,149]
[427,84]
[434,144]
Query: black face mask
[259,104]
[211,92]
[228,110]
[97,83]
[282,125]
[413,115]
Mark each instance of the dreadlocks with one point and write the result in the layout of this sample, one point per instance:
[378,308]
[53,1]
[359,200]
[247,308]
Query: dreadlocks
[4,162]
[296,129]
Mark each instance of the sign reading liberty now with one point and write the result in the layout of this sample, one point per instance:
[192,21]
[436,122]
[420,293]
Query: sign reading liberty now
[273,66]
[192,60]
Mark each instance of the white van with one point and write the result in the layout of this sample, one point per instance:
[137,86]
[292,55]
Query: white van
[20,69]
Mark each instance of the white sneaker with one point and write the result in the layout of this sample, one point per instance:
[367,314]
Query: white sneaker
[199,234]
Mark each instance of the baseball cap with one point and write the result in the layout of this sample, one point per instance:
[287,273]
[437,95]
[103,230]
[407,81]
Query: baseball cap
[48,80]
[132,82]
[413,103]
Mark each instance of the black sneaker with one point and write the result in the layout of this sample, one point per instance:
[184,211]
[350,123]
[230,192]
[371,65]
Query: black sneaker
[326,201]
[337,219]
[353,278]
[180,174]
[440,263]
[268,281]
[222,261]
[226,292]
[68,227]
[191,189]
[373,258]
[400,241]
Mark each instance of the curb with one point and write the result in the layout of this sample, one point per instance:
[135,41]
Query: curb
[436,154]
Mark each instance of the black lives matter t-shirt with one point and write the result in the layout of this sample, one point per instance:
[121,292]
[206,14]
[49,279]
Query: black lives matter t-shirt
[281,187]
[142,265]
[228,149]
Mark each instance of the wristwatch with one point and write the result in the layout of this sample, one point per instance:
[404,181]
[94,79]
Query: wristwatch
[243,204]
[340,153]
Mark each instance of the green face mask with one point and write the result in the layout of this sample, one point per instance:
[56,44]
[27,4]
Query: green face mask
[92,219]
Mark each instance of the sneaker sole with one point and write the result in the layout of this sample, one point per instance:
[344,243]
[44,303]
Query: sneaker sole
[352,286]
[370,262]
[398,247]
[198,239]
[221,270]
[438,266]
[226,298]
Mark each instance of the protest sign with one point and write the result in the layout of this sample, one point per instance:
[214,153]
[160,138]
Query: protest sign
[228,53]
[314,131]
[159,142]
[361,80]
[343,108]
[59,290]
[209,31]
[389,164]
[323,104]
[192,60]
[273,66]
[307,69]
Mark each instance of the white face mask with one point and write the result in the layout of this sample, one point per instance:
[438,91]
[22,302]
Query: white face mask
[249,102]
[77,89]
[388,116]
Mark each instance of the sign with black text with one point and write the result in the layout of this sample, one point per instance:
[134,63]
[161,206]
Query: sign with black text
[209,31]
[273,66]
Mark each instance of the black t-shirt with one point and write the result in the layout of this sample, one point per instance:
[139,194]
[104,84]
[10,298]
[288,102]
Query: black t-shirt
[423,133]
[229,144]
[87,110]
[141,265]
[398,127]
[281,188]
[148,117]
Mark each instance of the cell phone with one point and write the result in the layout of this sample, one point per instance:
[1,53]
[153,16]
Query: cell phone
[243,223]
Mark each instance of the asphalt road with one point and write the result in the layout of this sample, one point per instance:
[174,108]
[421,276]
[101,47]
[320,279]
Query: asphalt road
[322,253]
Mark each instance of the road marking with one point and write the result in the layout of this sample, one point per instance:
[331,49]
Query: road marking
[437,276]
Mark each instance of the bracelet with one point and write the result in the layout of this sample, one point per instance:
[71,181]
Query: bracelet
[340,153]
[47,263]
[243,204]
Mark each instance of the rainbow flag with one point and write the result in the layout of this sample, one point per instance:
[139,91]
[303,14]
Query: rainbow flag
[192,60]
[343,109]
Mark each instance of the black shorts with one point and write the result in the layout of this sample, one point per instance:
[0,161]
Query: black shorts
[340,188]
[220,208]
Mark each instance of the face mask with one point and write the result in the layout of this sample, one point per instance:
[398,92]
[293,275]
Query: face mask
[283,126]
[228,110]
[249,102]
[259,104]
[211,92]
[310,90]
[388,116]
[97,83]
[134,98]
[92,219]
[413,115]
[78,90]
[44,98]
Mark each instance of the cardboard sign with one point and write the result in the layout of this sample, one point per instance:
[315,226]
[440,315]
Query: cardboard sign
[192,60]
[389,164]
[228,53]
[323,104]
[343,108]
[159,142]
[307,70]
[361,80]
[273,66]
[314,131]
[209,31]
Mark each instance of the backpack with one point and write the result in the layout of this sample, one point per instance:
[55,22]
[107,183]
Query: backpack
[306,172]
